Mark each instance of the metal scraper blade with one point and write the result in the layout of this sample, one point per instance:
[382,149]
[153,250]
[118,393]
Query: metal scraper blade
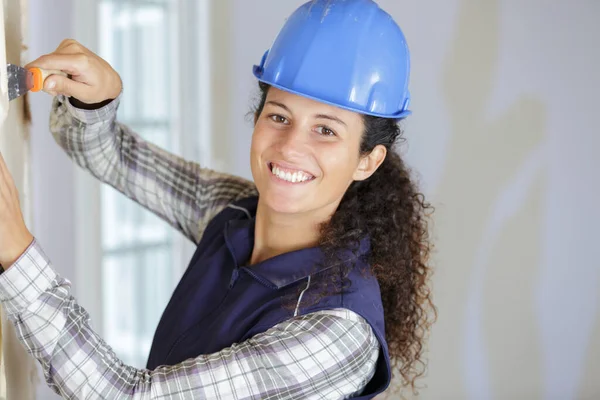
[20,81]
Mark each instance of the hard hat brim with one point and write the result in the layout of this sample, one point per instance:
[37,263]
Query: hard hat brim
[398,115]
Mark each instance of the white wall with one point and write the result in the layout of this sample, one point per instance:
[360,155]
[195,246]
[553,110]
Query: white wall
[52,172]
[18,369]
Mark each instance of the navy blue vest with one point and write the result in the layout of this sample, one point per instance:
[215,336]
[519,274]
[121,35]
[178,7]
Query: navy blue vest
[220,301]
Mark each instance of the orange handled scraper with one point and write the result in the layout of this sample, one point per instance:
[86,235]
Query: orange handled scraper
[22,80]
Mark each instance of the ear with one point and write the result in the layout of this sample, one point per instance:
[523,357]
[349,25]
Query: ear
[368,164]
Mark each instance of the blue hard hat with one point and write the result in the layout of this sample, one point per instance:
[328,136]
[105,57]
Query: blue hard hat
[347,53]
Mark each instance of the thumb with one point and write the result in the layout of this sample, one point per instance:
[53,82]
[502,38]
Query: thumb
[60,84]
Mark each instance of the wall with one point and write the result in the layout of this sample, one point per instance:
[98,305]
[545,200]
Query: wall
[18,370]
[53,174]
[504,142]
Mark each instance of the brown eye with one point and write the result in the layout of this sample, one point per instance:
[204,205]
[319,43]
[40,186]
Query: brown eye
[323,130]
[278,118]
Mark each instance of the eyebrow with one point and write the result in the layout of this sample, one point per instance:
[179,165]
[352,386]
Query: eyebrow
[331,118]
[278,104]
[321,116]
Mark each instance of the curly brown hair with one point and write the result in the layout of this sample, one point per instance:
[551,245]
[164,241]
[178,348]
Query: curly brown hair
[389,210]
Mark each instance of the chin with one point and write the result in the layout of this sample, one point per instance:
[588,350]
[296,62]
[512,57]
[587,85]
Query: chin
[283,204]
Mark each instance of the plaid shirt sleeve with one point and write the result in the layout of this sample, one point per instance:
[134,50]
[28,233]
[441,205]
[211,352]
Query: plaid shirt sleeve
[325,355]
[181,192]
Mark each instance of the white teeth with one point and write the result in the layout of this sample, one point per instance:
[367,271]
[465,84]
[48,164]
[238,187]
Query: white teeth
[297,176]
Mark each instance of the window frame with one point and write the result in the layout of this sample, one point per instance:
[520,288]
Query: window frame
[190,138]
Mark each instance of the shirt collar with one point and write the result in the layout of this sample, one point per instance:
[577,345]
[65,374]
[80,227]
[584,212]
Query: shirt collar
[282,270]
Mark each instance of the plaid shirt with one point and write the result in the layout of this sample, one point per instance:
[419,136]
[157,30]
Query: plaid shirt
[324,355]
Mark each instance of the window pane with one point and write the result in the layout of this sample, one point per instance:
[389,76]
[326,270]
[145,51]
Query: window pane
[119,277]
[125,223]
[138,275]
[158,283]
[137,286]
[134,39]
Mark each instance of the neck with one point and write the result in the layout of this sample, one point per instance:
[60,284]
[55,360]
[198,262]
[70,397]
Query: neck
[279,233]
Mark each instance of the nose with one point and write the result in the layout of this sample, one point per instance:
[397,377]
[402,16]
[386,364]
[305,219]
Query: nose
[293,142]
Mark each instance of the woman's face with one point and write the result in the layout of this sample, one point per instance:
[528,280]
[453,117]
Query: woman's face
[305,154]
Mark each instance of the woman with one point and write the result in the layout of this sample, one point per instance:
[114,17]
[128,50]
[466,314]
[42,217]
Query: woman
[310,282]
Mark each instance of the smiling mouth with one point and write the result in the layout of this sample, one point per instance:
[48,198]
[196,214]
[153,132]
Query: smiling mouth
[290,175]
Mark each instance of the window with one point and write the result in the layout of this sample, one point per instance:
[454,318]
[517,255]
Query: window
[142,257]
